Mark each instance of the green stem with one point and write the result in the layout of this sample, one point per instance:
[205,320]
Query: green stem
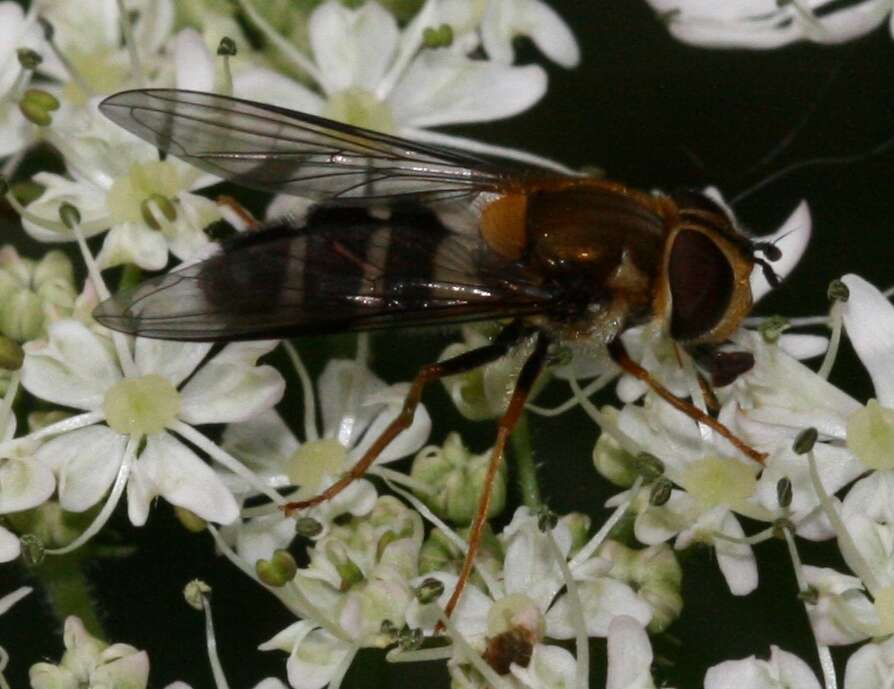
[68,591]
[524,462]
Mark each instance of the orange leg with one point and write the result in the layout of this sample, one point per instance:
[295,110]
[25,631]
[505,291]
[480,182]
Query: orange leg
[619,354]
[468,361]
[526,378]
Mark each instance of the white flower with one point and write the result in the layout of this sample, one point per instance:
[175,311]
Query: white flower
[359,577]
[840,613]
[17,30]
[91,663]
[163,389]
[118,182]
[629,655]
[782,671]
[504,20]
[527,602]
[356,407]
[374,75]
[871,666]
[765,24]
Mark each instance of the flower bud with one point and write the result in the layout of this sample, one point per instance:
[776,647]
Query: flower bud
[11,354]
[279,570]
[36,106]
[32,293]
[190,520]
[438,554]
[456,477]
[611,460]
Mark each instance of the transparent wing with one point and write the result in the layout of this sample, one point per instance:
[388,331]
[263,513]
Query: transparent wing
[341,272]
[279,150]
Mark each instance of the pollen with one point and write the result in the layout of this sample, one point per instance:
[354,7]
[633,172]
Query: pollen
[715,481]
[313,461]
[870,435]
[141,406]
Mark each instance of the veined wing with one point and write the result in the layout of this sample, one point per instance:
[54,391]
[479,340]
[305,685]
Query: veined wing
[279,150]
[343,271]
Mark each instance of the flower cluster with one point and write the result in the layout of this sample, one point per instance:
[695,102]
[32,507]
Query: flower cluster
[91,417]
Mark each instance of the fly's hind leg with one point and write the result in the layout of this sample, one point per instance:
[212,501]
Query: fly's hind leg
[468,361]
[628,365]
[528,375]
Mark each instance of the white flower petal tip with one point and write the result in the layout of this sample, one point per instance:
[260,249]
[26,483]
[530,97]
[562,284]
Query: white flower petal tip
[791,239]
[629,654]
[869,321]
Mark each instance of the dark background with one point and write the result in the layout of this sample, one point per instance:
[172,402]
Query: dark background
[654,113]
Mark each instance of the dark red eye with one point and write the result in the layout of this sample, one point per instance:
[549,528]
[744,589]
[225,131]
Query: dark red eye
[701,284]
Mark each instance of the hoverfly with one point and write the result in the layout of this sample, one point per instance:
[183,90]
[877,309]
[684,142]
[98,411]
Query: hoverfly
[561,258]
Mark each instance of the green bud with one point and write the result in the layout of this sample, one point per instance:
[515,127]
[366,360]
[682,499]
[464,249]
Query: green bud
[429,591]
[279,570]
[226,47]
[28,58]
[772,328]
[33,550]
[11,354]
[438,554]
[437,37]
[805,441]
[410,639]
[195,592]
[456,478]
[611,460]
[163,203]
[36,106]
[784,492]
[838,291]
[69,215]
[660,492]
[190,520]
[308,527]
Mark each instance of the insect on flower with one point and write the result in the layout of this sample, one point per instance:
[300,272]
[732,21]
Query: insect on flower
[452,239]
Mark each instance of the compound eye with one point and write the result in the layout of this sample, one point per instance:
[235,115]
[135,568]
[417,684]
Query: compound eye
[701,285]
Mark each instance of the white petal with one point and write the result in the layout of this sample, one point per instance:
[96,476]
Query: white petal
[506,19]
[353,48]
[869,320]
[185,236]
[407,443]
[803,347]
[75,368]
[870,666]
[193,62]
[602,601]
[136,243]
[441,87]
[736,560]
[314,660]
[24,483]
[344,389]
[267,86]
[86,462]
[231,388]
[550,667]
[263,442]
[153,26]
[792,239]
[10,547]
[629,654]
[174,361]
[90,201]
[170,469]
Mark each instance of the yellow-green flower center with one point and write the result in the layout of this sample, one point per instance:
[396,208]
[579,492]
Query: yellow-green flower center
[717,481]
[512,611]
[155,179]
[101,70]
[884,606]
[141,406]
[870,435]
[313,461]
[361,108]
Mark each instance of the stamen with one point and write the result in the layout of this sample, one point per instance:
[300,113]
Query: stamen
[591,389]
[582,648]
[411,42]
[296,57]
[127,30]
[599,537]
[225,50]
[108,508]
[307,391]
[605,423]
[836,322]
[200,589]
